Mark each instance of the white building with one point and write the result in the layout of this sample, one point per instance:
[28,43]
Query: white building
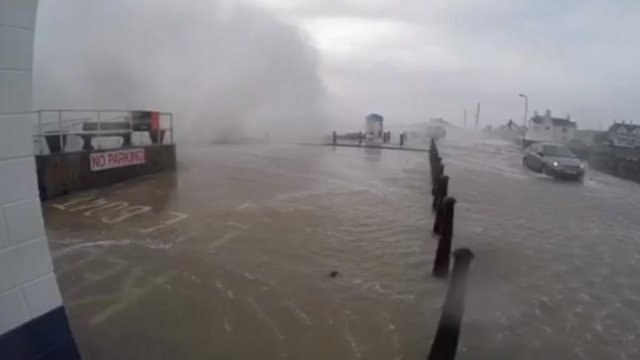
[624,135]
[29,295]
[550,129]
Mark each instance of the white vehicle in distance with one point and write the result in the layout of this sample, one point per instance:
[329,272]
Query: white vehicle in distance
[554,160]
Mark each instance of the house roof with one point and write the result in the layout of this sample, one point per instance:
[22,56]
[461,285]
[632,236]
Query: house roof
[537,119]
[556,121]
[628,127]
[562,122]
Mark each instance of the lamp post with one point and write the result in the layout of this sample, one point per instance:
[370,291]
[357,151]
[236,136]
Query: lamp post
[524,123]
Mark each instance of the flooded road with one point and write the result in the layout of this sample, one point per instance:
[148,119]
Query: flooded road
[228,258]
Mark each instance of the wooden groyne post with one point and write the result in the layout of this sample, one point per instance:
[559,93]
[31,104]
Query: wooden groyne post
[443,252]
[442,191]
[445,343]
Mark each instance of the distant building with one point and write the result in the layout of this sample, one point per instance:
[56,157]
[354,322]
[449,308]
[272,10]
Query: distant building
[624,135]
[551,129]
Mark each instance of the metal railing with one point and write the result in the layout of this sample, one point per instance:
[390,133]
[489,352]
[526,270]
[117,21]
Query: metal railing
[55,128]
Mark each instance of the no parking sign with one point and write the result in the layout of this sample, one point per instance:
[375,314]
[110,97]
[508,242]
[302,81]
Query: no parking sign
[113,159]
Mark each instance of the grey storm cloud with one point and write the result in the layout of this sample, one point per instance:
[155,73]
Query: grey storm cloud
[302,63]
[225,68]
[436,58]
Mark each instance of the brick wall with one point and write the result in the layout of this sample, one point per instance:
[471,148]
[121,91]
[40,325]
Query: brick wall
[28,287]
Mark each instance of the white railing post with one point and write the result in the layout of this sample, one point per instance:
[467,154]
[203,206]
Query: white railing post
[39,131]
[171,126]
[99,132]
[60,137]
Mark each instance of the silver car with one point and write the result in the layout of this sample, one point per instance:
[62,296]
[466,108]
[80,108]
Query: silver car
[554,160]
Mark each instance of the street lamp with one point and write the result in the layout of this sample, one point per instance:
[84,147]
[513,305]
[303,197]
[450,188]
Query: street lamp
[526,109]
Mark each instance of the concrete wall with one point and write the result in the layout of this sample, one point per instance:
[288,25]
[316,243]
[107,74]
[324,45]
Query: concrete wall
[30,300]
[63,173]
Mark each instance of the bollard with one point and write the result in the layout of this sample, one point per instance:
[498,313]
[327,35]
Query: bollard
[434,164]
[438,170]
[441,261]
[401,139]
[435,157]
[441,190]
[445,342]
[359,137]
[437,222]
[335,138]
[432,147]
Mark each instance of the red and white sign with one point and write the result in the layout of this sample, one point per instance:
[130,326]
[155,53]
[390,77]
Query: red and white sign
[113,159]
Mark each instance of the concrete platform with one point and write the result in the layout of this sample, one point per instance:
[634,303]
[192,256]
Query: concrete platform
[64,173]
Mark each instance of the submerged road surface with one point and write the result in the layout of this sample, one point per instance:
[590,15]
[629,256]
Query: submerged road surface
[228,258]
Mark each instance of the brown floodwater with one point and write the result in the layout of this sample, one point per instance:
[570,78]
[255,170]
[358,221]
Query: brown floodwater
[228,258]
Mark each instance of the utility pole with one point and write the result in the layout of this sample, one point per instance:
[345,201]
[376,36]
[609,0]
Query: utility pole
[524,122]
[465,118]
[478,116]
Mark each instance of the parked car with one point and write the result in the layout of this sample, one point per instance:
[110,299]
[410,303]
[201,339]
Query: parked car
[554,160]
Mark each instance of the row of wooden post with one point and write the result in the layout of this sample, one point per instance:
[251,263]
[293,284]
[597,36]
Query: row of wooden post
[445,341]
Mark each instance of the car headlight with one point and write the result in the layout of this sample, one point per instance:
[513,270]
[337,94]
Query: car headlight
[555,163]
[581,166]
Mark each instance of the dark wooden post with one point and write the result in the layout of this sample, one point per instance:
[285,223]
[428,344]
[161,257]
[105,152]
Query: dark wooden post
[359,137]
[435,157]
[441,261]
[335,138]
[438,171]
[53,141]
[445,342]
[401,139]
[441,191]
[86,142]
[437,221]
[126,140]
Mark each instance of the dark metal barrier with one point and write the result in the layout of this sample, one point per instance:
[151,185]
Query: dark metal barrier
[63,173]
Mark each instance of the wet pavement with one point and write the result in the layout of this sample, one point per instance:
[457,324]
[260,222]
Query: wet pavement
[228,258]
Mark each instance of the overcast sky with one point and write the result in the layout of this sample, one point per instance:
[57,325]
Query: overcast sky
[335,61]
[415,59]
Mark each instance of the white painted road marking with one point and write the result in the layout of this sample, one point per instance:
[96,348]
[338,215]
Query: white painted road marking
[123,211]
[179,217]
